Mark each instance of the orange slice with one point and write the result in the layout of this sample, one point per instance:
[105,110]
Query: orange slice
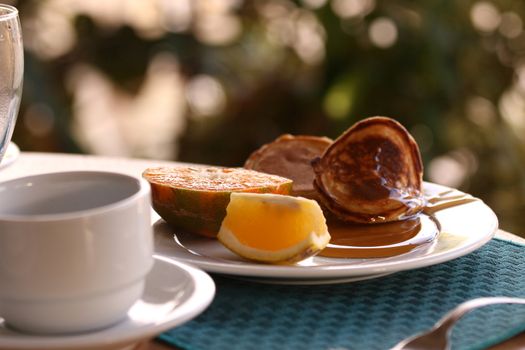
[273,228]
[195,198]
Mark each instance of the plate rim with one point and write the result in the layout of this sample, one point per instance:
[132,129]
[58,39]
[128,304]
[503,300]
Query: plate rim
[255,270]
[201,294]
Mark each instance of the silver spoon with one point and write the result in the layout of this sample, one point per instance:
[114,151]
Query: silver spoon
[437,338]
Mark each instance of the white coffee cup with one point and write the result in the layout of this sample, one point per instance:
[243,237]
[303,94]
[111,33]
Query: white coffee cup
[75,248]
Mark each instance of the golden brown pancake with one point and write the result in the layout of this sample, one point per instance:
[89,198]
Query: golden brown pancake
[372,173]
[290,156]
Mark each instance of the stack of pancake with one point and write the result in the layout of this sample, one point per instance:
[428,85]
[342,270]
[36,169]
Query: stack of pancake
[372,173]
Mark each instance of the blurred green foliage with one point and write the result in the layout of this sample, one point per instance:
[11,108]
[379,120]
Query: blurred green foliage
[444,75]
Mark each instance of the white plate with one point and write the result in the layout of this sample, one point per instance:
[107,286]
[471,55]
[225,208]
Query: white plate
[11,154]
[309,281]
[174,294]
[464,228]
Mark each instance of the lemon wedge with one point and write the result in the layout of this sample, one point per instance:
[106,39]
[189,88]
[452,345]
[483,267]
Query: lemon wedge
[273,228]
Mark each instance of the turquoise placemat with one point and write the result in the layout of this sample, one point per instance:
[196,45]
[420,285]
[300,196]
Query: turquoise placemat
[373,314]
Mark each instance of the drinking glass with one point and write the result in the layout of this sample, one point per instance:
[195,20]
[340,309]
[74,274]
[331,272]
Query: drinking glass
[11,73]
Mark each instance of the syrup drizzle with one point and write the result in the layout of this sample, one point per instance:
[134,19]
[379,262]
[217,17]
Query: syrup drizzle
[392,238]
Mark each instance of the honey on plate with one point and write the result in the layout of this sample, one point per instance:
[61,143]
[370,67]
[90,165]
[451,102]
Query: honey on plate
[391,238]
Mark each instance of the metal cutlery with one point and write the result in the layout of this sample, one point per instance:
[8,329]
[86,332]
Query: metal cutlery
[437,338]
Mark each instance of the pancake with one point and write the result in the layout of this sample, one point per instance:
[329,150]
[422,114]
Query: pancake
[290,156]
[372,173]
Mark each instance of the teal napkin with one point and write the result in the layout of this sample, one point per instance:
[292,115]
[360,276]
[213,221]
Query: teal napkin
[373,314]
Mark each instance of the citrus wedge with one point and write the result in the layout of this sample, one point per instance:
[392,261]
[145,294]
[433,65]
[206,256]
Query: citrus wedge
[194,198]
[273,228]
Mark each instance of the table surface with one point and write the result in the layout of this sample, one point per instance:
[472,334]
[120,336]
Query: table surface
[516,343]
[36,163]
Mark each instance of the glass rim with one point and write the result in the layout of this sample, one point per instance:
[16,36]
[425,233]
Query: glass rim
[11,12]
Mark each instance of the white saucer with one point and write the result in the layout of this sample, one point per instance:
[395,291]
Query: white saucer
[174,294]
[11,154]
[464,228]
